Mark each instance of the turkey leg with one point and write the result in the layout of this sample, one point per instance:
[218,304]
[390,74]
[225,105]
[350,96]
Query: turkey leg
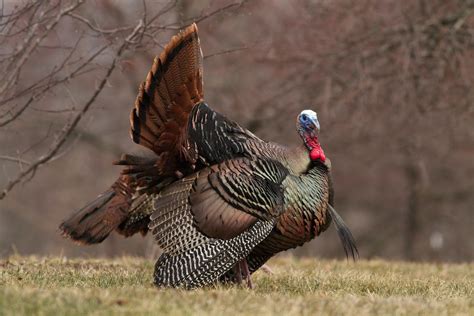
[244,267]
[238,273]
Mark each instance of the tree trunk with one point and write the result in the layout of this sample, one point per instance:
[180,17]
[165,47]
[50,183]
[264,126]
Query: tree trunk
[412,215]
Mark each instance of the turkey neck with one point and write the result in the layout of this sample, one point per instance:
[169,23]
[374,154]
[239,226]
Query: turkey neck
[298,160]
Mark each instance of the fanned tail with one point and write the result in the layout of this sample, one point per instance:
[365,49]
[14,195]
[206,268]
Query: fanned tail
[173,86]
[345,234]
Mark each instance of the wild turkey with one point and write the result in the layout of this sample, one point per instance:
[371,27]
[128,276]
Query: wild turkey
[218,200]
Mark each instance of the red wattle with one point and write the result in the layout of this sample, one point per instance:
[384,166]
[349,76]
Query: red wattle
[317,153]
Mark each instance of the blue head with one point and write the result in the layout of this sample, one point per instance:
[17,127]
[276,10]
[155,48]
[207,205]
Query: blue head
[308,123]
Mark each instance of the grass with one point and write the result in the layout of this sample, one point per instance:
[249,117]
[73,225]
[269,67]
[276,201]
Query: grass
[60,286]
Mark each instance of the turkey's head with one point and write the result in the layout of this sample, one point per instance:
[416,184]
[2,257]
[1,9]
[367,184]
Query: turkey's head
[308,127]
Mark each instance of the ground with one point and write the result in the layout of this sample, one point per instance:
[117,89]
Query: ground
[60,286]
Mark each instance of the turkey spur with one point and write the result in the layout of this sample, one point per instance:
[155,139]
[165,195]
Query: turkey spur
[218,200]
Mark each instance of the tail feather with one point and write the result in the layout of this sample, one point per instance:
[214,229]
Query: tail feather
[345,234]
[123,208]
[94,222]
[172,87]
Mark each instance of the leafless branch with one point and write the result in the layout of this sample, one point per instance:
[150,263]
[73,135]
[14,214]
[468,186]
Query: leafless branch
[227,51]
[69,127]
[29,46]
[96,28]
[205,16]
[15,159]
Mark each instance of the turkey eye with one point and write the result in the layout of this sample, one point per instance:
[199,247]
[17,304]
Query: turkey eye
[304,117]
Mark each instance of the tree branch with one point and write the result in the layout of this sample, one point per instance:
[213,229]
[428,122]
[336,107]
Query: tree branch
[69,127]
[28,49]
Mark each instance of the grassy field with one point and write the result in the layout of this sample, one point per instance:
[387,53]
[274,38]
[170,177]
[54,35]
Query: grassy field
[59,286]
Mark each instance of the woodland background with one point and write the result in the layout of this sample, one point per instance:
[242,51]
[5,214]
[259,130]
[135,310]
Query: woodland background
[391,81]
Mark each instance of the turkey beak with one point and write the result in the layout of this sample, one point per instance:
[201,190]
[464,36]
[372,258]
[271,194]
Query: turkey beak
[314,126]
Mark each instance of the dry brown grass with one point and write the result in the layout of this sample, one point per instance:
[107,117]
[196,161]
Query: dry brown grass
[60,286]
